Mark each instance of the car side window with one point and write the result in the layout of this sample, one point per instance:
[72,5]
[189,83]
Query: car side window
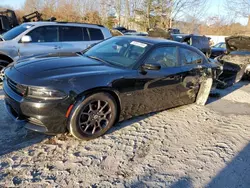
[85,34]
[70,34]
[44,34]
[166,56]
[223,45]
[190,57]
[95,34]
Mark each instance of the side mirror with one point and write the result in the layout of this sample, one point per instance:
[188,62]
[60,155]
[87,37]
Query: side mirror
[26,39]
[151,66]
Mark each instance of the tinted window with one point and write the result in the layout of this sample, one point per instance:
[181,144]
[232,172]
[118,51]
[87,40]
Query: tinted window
[13,33]
[85,34]
[166,56]
[190,57]
[71,34]
[200,42]
[95,34]
[44,34]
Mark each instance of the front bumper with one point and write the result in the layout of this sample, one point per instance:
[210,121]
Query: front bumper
[41,116]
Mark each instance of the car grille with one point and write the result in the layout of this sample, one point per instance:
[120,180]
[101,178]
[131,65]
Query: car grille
[17,88]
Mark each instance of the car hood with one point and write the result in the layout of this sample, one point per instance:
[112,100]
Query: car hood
[238,43]
[46,55]
[56,67]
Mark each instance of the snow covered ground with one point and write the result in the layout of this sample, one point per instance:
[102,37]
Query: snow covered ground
[189,146]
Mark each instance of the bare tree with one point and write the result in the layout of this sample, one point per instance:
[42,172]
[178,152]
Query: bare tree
[239,7]
[118,9]
[32,5]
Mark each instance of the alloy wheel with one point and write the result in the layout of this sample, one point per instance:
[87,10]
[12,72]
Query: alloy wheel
[94,117]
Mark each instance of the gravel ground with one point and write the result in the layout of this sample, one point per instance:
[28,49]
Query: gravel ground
[189,146]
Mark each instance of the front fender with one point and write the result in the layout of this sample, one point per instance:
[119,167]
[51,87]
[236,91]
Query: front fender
[9,53]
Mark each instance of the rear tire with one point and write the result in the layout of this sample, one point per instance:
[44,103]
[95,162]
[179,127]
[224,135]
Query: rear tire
[93,116]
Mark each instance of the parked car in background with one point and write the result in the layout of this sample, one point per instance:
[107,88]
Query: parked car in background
[173,30]
[123,30]
[136,34]
[48,37]
[236,63]
[218,49]
[159,33]
[121,77]
[198,41]
[115,32]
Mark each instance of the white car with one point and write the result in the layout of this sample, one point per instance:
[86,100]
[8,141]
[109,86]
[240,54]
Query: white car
[34,38]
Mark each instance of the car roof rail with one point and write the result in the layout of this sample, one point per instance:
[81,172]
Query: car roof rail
[80,23]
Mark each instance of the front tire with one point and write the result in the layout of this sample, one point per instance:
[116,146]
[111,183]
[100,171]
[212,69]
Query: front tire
[3,64]
[93,116]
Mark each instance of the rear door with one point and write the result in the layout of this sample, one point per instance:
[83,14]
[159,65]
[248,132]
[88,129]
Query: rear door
[193,70]
[73,39]
[76,39]
[95,35]
[45,39]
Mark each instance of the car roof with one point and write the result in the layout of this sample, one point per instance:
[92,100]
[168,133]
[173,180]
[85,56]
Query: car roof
[184,35]
[149,40]
[42,23]
[157,41]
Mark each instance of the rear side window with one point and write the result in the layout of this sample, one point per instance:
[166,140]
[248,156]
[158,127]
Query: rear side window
[190,57]
[68,34]
[95,34]
[85,34]
[166,56]
[44,34]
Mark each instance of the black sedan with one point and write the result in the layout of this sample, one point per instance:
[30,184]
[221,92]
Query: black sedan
[88,92]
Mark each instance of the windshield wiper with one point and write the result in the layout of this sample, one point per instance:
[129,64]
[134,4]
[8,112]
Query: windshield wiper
[98,59]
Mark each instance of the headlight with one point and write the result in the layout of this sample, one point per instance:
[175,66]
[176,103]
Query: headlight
[45,94]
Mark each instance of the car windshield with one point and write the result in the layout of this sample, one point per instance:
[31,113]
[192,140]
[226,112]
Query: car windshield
[220,45]
[122,52]
[13,33]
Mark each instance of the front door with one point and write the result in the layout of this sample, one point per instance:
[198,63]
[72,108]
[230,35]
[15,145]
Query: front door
[45,40]
[162,88]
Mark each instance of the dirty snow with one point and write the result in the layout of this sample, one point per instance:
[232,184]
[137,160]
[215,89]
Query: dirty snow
[189,146]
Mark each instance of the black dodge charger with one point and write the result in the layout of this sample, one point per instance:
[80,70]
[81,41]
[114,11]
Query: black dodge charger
[87,93]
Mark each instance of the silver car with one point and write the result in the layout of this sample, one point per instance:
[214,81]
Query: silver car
[34,38]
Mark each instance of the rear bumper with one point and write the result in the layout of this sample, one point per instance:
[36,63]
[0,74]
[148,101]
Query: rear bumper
[41,116]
